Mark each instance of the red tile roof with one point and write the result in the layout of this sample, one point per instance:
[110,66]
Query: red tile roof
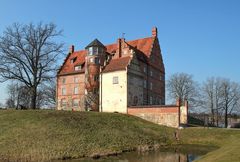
[68,67]
[117,64]
[144,45]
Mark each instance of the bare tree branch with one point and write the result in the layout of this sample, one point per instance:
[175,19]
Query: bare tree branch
[28,54]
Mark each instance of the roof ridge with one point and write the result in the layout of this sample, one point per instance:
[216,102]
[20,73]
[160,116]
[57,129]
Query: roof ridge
[129,41]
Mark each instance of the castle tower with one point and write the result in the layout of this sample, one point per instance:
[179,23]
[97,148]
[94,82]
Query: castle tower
[93,63]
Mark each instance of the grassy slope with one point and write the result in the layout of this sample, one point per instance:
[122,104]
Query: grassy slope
[227,140]
[43,135]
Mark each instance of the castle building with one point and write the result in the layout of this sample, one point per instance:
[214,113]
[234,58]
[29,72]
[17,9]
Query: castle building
[111,78]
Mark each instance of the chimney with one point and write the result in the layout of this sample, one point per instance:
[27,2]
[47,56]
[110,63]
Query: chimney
[71,49]
[154,32]
[119,46]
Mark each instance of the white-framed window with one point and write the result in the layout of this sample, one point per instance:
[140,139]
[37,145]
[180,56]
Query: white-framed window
[95,50]
[92,60]
[162,77]
[75,90]
[144,69]
[63,103]
[115,80]
[151,85]
[76,79]
[64,91]
[151,100]
[78,67]
[145,84]
[75,102]
[63,80]
[90,51]
[151,73]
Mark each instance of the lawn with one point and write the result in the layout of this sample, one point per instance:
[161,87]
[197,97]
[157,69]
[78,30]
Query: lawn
[45,135]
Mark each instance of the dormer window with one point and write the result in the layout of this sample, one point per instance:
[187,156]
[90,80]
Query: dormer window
[90,51]
[95,50]
[78,67]
[73,60]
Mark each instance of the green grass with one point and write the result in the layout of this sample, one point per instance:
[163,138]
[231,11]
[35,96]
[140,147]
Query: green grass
[227,141]
[45,135]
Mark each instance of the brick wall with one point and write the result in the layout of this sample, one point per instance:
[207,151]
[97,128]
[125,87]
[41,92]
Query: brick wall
[69,82]
[169,115]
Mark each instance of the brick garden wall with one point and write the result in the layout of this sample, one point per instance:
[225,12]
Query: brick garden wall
[169,115]
[161,115]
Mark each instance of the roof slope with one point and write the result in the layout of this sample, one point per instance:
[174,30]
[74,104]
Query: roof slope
[117,64]
[144,45]
[68,67]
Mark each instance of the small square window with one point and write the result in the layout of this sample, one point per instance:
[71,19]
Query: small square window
[145,84]
[92,60]
[75,102]
[151,73]
[63,80]
[95,50]
[115,80]
[90,51]
[75,90]
[76,79]
[78,67]
[151,100]
[144,69]
[63,91]
[151,86]
[64,103]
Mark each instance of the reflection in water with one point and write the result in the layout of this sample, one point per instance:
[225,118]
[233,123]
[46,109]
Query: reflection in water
[154,156]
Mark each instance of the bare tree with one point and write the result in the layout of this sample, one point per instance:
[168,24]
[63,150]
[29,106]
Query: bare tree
[12,100]
[28,54]
[182,85]
[218,101]
[91,99]
[209,91]
[213,98]
[230,95]
[48,91]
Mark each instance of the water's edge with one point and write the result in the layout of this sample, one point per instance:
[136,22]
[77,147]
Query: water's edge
[156,151]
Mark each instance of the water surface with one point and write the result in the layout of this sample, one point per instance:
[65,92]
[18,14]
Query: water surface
[152,156]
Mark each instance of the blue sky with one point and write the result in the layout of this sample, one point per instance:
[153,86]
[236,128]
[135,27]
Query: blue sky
[200,37]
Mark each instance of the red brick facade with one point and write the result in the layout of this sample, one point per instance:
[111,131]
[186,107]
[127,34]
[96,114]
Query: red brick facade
[141,58]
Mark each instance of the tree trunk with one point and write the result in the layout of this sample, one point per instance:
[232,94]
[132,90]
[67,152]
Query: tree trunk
[226,117]
[213,115]
[33,98]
